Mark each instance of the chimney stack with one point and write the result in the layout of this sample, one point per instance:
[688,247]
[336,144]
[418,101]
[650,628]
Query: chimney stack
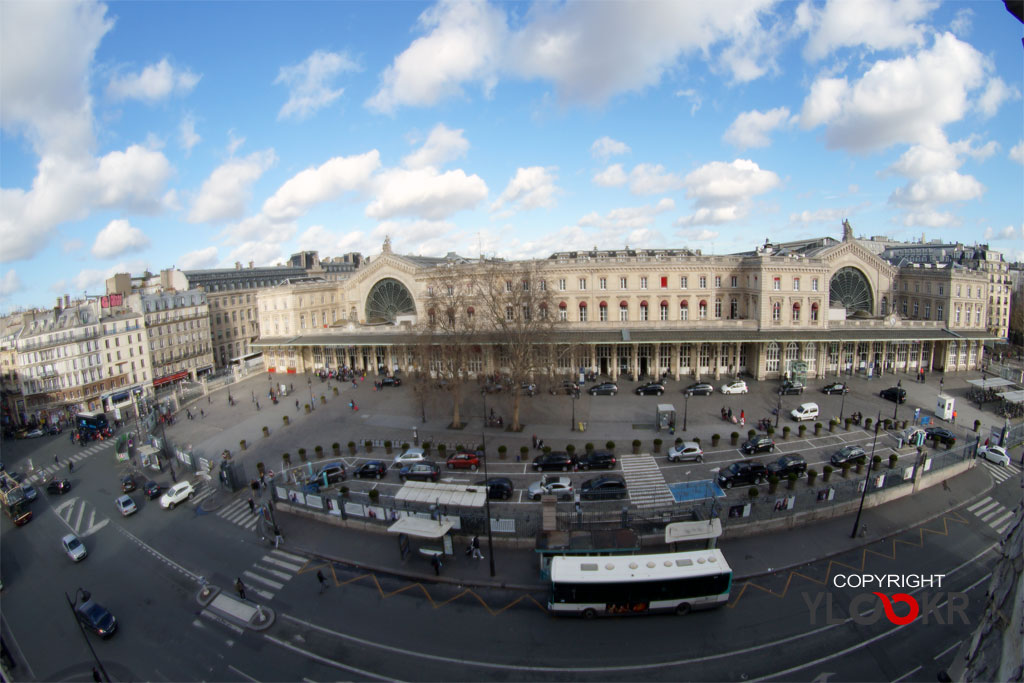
[67,301]
[251,264]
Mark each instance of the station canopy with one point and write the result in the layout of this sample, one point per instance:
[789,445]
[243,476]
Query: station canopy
[442,494]
[1013,396]
[421,528]
[990,382]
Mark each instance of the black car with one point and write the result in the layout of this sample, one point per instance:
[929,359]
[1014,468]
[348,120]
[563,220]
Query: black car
[744,472]
[897,394]
[846,454]
[555,460]
[334,473]
[650,389]
[96,617]
[423,471]
[152,489]
[604,389]
[499,487]
[58,486]
[597,459]
[699,389]
[787,465]
[127,484]
[375,469]
[791,387]
[835,388]
[758,444]
[391,382]
[940,435]
[603,488]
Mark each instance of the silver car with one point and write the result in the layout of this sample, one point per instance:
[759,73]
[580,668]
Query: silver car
[125,505]
[687,450]
[73,548]
[561,487]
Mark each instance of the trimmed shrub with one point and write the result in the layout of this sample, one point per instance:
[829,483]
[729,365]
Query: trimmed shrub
[657,445]
[502,451]
[734,438]
[352,447]
[893,459]
[241,444]
[589,447]
[636,446]
[286,459]
[319,452]
[302,454]
[793,476]
[610,445]
[812,474]
[773,483]
[715,438]
[785,432]
[336,447]
[827,472]
[266,431]
[368,445]
[753,492]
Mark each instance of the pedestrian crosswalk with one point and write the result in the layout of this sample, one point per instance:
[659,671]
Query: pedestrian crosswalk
[203,491]
[1001,472]
[61,466]
[238,512]
[80,516]
[271,572]
[645,482]
[993,513]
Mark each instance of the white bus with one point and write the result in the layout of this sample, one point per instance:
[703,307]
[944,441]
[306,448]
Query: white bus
[589,586]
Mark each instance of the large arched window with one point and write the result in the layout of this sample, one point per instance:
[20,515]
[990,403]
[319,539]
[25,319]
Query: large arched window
[583,311]
[702,310]
[849,289]
[643,310]
[771,357]
[602,310]
[623,311]
[388,299]
[814,313]
[663,309]
[796,312]
[811,357]
[776,311]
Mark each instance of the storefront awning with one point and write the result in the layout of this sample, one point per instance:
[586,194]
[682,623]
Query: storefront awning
[442,494]
[170,378]
[419,527]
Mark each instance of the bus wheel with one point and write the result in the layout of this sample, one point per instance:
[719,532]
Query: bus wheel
[589,613]
[683,608]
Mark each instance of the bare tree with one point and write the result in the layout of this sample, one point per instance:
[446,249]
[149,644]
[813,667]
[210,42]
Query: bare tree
[521,319]
[1016,327]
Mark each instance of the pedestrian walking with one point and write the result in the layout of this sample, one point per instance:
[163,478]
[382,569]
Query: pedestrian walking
[174,477]
[954,417]
[56,460]
[202,413]
[96,675]
[240,587]
[477,555]
[296,405]
[252,506]
[71,466]
[257,405]
[322,580]
[263,481]
[435,561]
[534,442]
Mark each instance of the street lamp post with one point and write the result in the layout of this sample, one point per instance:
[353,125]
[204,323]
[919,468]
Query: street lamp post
[487,487]
[72,604]
[778,408]
[686,407]
[312,404]
[867,477]
[842,405]
[899,389]
[572,425]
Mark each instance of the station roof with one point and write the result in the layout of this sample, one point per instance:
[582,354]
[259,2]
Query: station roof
[990,382]
[421,528]
[442,494]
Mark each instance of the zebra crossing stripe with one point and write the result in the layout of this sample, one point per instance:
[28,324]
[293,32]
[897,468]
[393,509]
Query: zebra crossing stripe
[274,572]
[999,521]
[977,505]
[289,556]
[992,513]
[263,594]
[994,505]
[268,582]
[280,563]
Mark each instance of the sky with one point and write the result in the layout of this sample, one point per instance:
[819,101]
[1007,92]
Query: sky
[150,135]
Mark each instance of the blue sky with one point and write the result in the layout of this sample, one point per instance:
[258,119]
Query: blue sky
[154,134]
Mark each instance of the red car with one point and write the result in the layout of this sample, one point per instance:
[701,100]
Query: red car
[464,461]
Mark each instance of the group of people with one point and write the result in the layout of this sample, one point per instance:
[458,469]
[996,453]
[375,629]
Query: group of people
[728,416]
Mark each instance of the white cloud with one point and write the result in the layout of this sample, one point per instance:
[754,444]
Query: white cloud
[326,241]
[996,92]
[258,252]
[225,193]
[199,259]
[929,218]
[117,238]
[703,235]
[938,188]
[631,217]
[934,180]
[462,44]
[153,83]
[605,147]
[309,83]
[693,96]
[257,228]
[324,183]
[751,128]
[613,176]
[425,193]
[876,24]
[961,23]
[1017,152]
[723,190]
[652,179]
[905,100]
[10,284]
[234,142]
[1007,233]
[442,145]
[418,236]
[531,188]
[819,216]
[187,134]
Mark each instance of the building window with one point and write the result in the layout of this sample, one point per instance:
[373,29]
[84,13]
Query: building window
[734,309]
[796,312]
[583,283]
[622,283]
[938,311]
[702,310]
[683,280]
[623,312]
[941,289]
[904,307]
[814,313]
[643,283]
[643,310]
[776,284]
[602,312]
[776,312]
[561,284]
[543,285]
[915,308]
[684,311]
[927,310]
[583,311]
[718,309]
[718,281]
[796,284]
[664,311]
[958,312]
[664,282]
[772,357]
[703,281]
[732,281]
[814,284]
[562,312]
[508,285]
[602,283]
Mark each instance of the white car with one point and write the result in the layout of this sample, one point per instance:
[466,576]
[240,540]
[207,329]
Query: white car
[557,486]
[411,456]
[125,505]
[73,547]
[805,411]
[737,387]
[687,450]
[178,493]
[994,454]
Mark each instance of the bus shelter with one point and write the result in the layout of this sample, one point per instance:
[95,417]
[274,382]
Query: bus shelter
[665,417]
[425,515]
[699,535]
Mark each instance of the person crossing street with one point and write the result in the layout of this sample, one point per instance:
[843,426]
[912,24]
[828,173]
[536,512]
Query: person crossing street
[240,587]
[322,580]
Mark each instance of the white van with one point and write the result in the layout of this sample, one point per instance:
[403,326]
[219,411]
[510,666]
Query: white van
[806,411]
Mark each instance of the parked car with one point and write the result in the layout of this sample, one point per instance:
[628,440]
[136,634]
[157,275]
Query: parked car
[791,387]
[58,486]
[897,394]
[846,454]
[178,493]
[603,389]
[597,460]
[735,387]
[699,389]
[391,382]
[125,505]
[34,433]
[151,489]
[73,548]
[995,454]
[555,460]
[374,469]
[788,464]
[569,387]
[805,411]
[498,487]
[334,473]
[127,483]
[650,389]
[561,487]
[30,491]
[687,450]
[835,388]
[603,488]
[758,444]
[410,456]
[96,617]
[940,435]
[423,471]
[743,472]
[463,461]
